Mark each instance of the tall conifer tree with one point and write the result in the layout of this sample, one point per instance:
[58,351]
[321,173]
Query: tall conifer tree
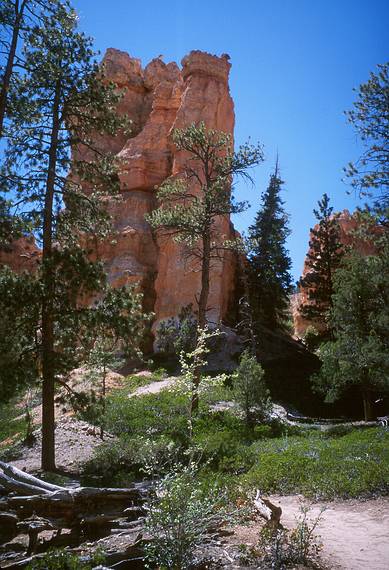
[59,103]
[270,279]
[358,355]
[324,256]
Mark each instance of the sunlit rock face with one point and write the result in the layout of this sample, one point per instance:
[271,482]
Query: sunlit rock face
[348,224]
[158,99]
[21,255]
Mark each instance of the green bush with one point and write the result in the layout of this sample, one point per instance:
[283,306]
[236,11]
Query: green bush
[62,560]
[150,415]
[250,389]
[263,431]
[181,517]
[9,426]
[338,431]
[223,439]
[120,462]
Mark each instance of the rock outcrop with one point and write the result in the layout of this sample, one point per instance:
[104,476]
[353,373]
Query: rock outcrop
[158,99]
[21,255]
[348,224]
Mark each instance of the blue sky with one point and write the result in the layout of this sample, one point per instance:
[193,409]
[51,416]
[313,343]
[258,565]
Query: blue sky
[294,66]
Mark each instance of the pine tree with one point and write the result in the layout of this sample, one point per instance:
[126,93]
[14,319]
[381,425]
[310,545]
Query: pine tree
[370,119]
[57,106]
[270,279]
[192,202]
[324,257]
[358,355]
[17,19]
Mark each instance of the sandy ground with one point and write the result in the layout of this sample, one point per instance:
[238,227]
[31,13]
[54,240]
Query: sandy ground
[354,534]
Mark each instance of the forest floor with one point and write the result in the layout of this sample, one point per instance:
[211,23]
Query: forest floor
[75,442]
[353,533]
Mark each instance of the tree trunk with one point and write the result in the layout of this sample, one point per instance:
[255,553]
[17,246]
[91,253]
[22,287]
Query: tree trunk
[103,402]
[202,312]
[48,365]
[205,269]
[367,406]
[10,62]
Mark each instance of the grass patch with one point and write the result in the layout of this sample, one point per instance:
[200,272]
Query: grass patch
[322,467]
[272,457]
[9,425]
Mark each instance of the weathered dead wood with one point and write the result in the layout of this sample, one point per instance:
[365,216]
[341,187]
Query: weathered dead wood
[8,526]
[23,477]
[33,526]
[33,506]
[271,513]
[11,485]
[131,556]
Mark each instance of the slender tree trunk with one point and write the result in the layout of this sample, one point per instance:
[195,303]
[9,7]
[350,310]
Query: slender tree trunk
[367,406]
[202,312]
[48,364]
[10,62]
[103,401]
[246,326]
[204,293]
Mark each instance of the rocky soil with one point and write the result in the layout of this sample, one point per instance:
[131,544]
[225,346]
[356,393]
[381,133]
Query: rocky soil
[75,442]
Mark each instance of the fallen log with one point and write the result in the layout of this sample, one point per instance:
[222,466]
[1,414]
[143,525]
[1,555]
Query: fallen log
[33,527]
[12,485]
[32,506]
[23,477]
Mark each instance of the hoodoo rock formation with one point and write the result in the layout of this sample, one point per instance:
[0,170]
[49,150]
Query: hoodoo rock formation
[157,100]
[348,224]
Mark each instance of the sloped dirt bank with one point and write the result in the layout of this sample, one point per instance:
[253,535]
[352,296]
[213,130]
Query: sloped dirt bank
[75,442]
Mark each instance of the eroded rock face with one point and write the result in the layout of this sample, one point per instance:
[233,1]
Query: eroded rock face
[158,99]
[21,255]
[348,223]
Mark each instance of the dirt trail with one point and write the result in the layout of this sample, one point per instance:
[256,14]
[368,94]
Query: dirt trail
[153,387]
[355,534]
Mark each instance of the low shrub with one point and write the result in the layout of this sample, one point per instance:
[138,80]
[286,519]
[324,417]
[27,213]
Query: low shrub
[263,432]
[120,462]
[150,415]
[250,389]
[181,517]
[11,427]
[62,560]
[354,465]
[279,548]
[338,431]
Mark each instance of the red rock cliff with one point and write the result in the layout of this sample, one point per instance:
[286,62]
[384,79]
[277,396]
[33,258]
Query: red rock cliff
[158,99]
[21,255]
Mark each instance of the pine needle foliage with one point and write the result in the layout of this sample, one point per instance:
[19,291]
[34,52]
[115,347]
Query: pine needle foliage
[323,259]
[270,280]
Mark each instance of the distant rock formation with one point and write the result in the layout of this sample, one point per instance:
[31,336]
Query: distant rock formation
[21,255]
[348,223]
[158,99]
